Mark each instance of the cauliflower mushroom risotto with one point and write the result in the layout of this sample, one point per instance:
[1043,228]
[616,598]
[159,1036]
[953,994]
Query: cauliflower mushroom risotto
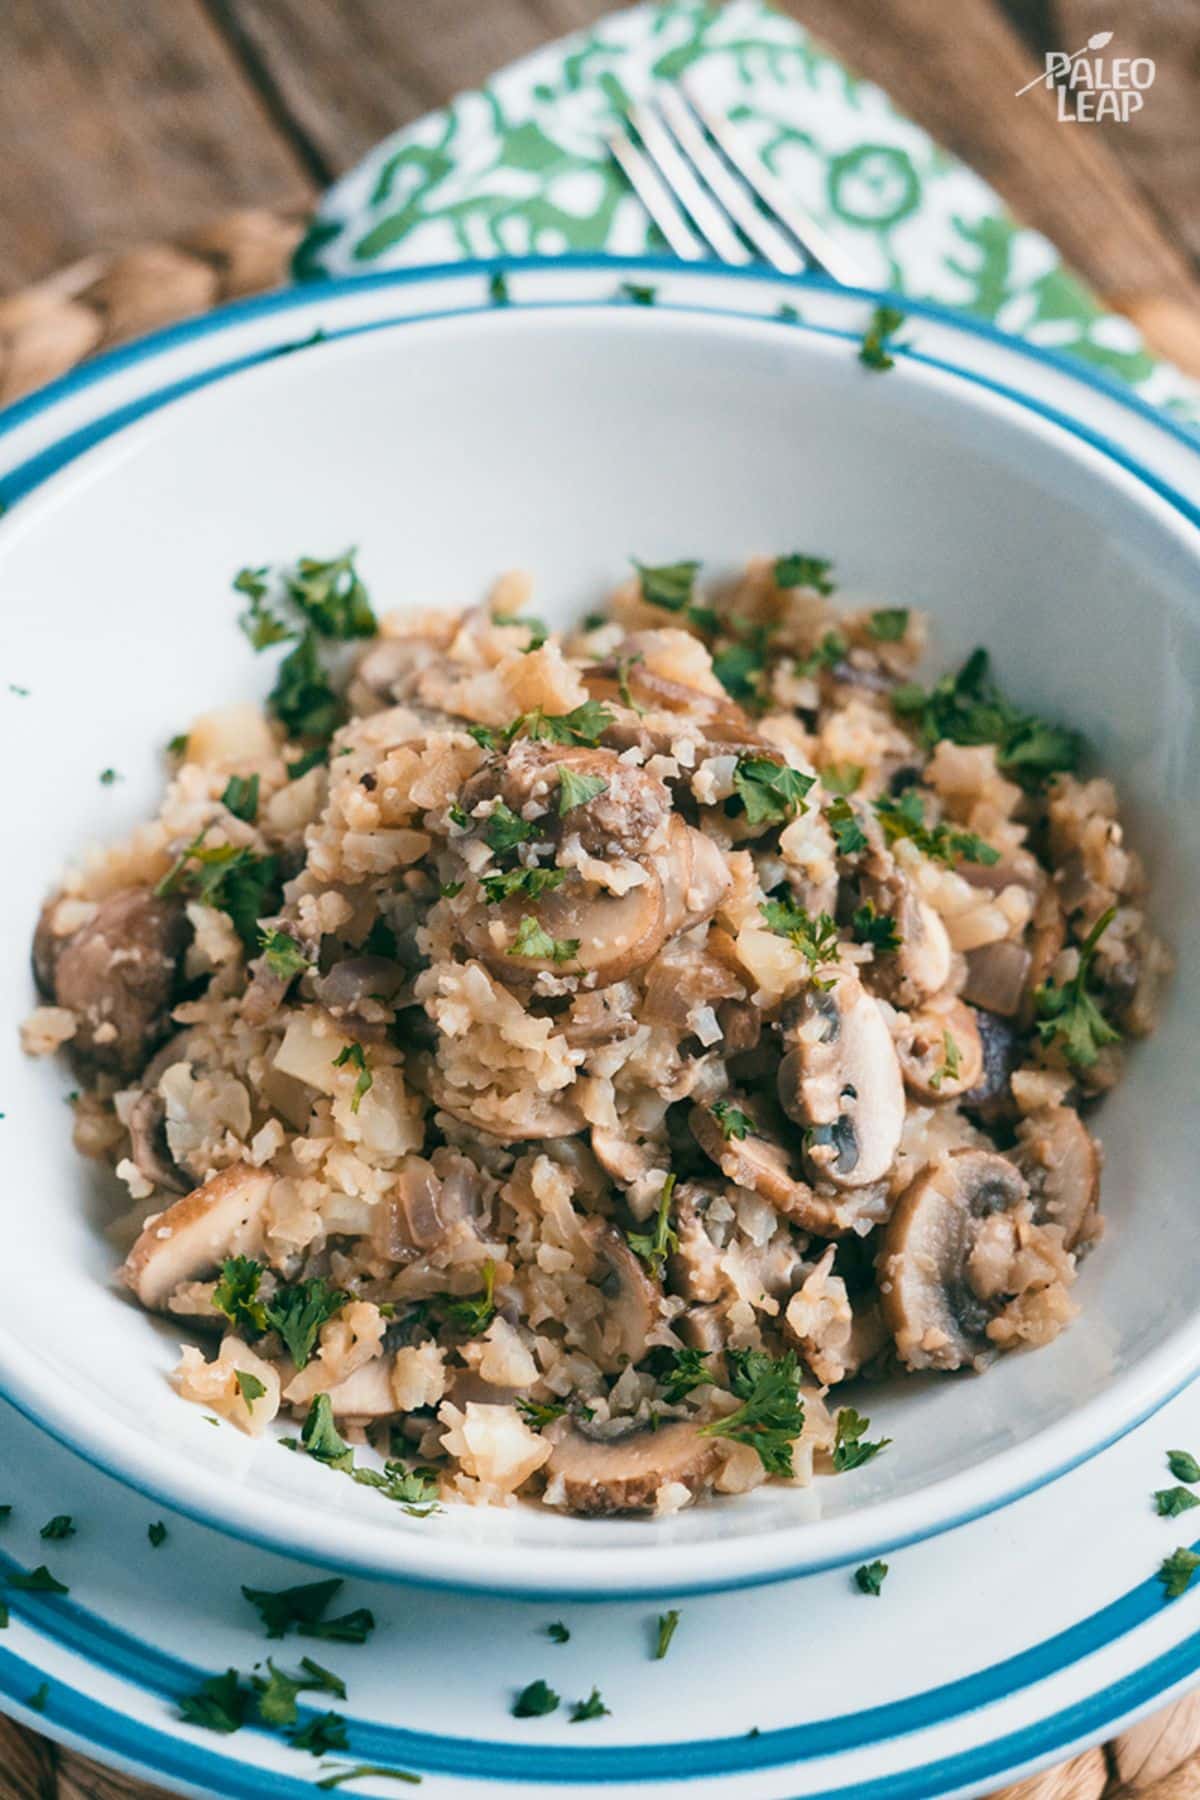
[560,1064]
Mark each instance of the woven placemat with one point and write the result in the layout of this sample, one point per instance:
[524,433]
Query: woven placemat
[45,331]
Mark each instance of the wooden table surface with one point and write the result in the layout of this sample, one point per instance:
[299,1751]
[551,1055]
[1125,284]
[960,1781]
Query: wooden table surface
[125,121]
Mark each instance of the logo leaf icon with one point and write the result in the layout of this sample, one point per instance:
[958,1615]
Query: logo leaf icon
[1099,40]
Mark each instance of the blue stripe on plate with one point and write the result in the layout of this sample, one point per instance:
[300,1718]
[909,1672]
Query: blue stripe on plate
[87,1635]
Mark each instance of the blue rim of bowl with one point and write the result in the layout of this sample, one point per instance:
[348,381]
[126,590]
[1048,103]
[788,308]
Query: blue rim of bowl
[306,297]
[167,1678]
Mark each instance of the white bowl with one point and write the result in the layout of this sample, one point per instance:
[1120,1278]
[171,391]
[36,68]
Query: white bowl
[562,440]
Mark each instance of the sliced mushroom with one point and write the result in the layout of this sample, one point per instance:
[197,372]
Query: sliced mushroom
[694,1270]
[601,1017]
[997,976]
[991,1099]
[941,1051]
[148,1145]
[508,1117]
[624,818]
[935,1315]
[118,975]
[619,1157]
[700,1328]
[627,677]
[194,1235]
[624,1473]
[694,874]
[760,1160]
[840,1079]
[1061,1163]
[358,991]
[684,983]
[428,1201]
[633,1300]
[615,933]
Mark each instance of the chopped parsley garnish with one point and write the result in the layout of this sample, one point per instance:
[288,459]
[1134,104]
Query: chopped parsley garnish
[576,790]
[638,293]
[298,1312]
[669,585]
[5,1512]
[535,1701]
[361,1770]
[178,744]
[533,940]
[282,953]
[557,1632]
[816,939]
[62,1525]
[585,724]
[655,1246]
[904,817]
[503,830]
[319,1435]
[1177,1570]
[262,626]
[109,777]
[969,708]
[529,883]
[733,1121]
[311,759]
[450,890]
[236,1294]
[276,1692]
[416,1490]
[538,630]
[332,597]
[355,1057]
[220,1704]
[686,1372]
[668,1624]
[157,1533]
[869,1578]
[770,791]
[1070,1016]
[874,928]
[303,698]
[875,350]
[228,877]
[951,1063]
[842,778]
[3,1616]
[800,571]
[850,1449]
[889,623]
[771,1415]
[537,1414]
[624,665]
[739,667]
[325,1732]
[472,1313]
[828,652]
[498,288]
[241,797]
[40,1695]
[848,834]
[249,1387]
[591,1708]
[1183,1465]
[304,1607]
[37,1581]
[1170,1502]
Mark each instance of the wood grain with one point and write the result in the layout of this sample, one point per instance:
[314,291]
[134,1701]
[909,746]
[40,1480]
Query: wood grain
[122,120]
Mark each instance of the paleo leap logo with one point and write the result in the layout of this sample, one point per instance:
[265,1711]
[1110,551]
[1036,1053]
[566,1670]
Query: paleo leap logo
[1091,87]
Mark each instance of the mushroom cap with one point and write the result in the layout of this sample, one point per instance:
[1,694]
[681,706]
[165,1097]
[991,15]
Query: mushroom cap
[601,1476]
[508,1118]
[991,1098]
[625,818]
[1061,1162]
[759,1160]
[634,1302]
[922,1051]
[148,1143]
[196,1233]
[695,1267]
[997,976]
[694,875]
[936,1319]
[840,1078]
[117,974]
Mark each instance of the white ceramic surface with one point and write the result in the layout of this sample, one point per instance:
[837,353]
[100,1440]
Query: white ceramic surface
[560,438]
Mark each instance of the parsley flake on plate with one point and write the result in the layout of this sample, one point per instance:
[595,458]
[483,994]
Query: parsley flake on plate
[1069,1017]
[842,778]
[591,1708]
[361,1770]
[849,836]
[277,1691]
[535,1701]
[236,1294]
[219,1704]
[668,1624]
[850,1448]
[323,1733]
[815,939]
[1183,1465]
[304,1607]
[299,1311]
[1177,1570]
[870,1577]
[228,877]
[771,792]
[62,1525]
[888,624]
[538,630]
[109,777]
[320,1437]
[771,1415]
[40,1695]
[739,668]
[874,928]
[503,830]
[157,1533]
[669,585]
[875,350]
[584,724]
[557,1632]
[37,1581]
[903,816]
[249,1387]
[1170,1502]
[537,1414]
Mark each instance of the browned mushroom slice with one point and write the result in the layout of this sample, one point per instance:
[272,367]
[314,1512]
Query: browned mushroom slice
[1061,1162]
[757,1160]
[148,1145]
[997,976]
[614,934]
[840,1079]
[508,1118]
[624,817]
[633,1300]
[622,1473]
[118,975]
[694,875]
[937,1319]
[195,1234]
[627,677]
[694,1270]
[941,1052]
[991,1098]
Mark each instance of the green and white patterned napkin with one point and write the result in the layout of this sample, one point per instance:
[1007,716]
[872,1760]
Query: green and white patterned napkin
[520,168]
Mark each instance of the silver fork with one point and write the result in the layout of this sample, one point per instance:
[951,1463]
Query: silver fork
[709,194]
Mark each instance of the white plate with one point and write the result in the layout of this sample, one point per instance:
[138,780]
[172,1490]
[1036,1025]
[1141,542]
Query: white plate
[562,432]
[1009,1643]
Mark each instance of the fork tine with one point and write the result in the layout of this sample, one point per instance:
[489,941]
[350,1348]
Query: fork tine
[822,250]
[654,195]
[767,239]
[700,206]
